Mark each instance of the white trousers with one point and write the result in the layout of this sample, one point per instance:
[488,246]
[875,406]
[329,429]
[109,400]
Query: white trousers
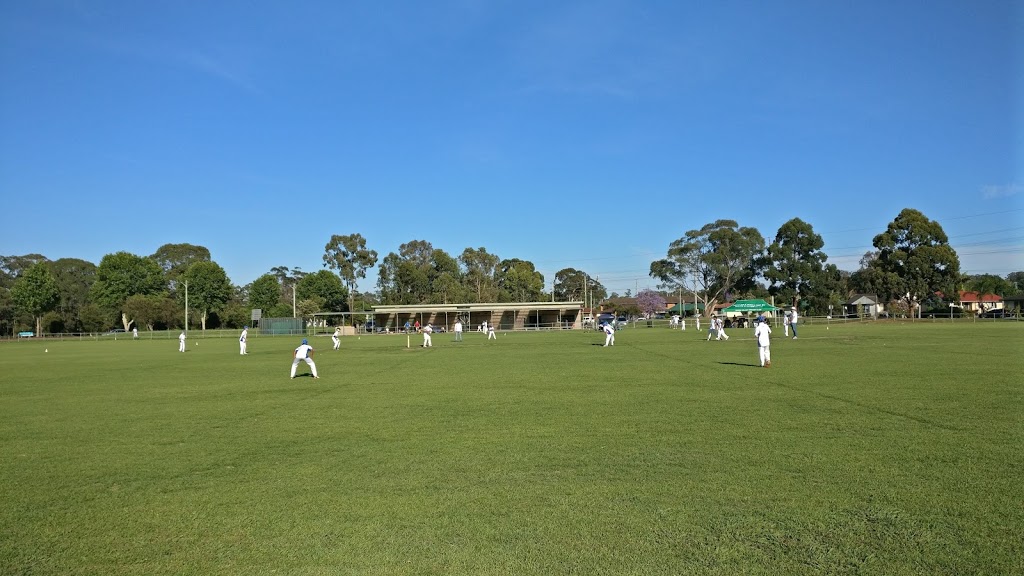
[241,347]
[491,336]
[337,343]
[308,361]
[609,339]
[426,341]
[765,352]
[181,345]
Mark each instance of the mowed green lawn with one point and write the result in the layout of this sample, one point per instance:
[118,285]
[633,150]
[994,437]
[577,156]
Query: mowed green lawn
[864,449]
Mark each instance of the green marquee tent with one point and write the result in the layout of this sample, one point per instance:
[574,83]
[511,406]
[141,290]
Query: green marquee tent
[750,306]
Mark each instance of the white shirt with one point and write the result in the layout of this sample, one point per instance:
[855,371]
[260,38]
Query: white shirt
[244,334]
[608,329]
[762,333]
[181,338]
[458,326]
[792,319]
[303,351]
[428,329]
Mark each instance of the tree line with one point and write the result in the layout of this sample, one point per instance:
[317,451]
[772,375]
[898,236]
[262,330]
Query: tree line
[912,265]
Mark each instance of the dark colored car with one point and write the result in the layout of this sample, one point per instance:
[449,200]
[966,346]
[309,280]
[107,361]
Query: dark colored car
[997,313]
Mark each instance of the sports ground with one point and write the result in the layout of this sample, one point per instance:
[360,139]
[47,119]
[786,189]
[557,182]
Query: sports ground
[877,448]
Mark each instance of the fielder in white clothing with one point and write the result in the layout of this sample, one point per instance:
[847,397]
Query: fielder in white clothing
[458,330]
[490,333]
[181,341]
[427,331]
[609,334]
[304,353]
[712,327]
[793,319]
[242,340]
[721,330]
[762,333]
[336,338]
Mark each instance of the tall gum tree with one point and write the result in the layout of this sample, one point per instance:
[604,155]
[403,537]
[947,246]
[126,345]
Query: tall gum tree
[795,262]
[35,293]
[711,261]
[915,261]
[121,275]
[349,257]
[208,288]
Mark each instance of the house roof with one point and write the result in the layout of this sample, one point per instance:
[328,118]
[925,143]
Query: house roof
[973,297]
[862,299]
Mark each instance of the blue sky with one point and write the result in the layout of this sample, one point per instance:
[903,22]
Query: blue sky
[585,134]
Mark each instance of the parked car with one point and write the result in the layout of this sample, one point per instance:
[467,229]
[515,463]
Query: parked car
[117,331]
[997,313]
[603,319]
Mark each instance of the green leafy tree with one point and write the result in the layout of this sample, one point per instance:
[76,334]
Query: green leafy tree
[325,286]
[480,273]
[712,261]
[175,259]
[208,289]
[348,256]
[121,275]
[519,281]
[915,260]
[74,278]
[573,285]
[35,293]
[418,274]
[13,266]
[265,292]
[1016,281]
[147,310]
[989,284]
[794,262]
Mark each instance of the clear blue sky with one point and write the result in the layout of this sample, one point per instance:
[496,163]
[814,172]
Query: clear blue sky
[588,134]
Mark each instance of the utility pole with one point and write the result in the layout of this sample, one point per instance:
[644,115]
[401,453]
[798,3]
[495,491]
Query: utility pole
[186,308]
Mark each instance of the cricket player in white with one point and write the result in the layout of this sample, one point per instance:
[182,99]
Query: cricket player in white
[609,334]
[793,321]
[458,330]
[762,332]
[336,338]
[242,340]
[490,332]
[304,353]
[721,330]
[427,330]
[712,327]
[181,341]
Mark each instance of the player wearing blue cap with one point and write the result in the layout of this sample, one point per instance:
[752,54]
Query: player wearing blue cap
[304,353]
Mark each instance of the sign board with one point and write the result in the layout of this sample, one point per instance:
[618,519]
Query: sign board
[256,314]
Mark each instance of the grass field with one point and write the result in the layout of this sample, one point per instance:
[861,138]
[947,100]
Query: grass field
[865,449]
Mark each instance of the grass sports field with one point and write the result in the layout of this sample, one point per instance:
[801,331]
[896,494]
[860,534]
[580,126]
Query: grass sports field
[865,449]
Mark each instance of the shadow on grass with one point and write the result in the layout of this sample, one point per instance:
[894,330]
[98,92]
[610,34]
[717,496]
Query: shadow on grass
[740,364]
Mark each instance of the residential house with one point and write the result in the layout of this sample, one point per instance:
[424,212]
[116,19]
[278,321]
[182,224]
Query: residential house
[864,305]
[979,303]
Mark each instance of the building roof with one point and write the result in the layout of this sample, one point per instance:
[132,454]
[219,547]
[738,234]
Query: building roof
[973,297]
[862,299]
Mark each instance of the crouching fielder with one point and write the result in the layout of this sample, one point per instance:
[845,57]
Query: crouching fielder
[304,353]
[763,332]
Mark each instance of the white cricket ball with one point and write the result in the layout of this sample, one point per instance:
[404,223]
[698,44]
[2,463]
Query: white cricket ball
[46,350]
